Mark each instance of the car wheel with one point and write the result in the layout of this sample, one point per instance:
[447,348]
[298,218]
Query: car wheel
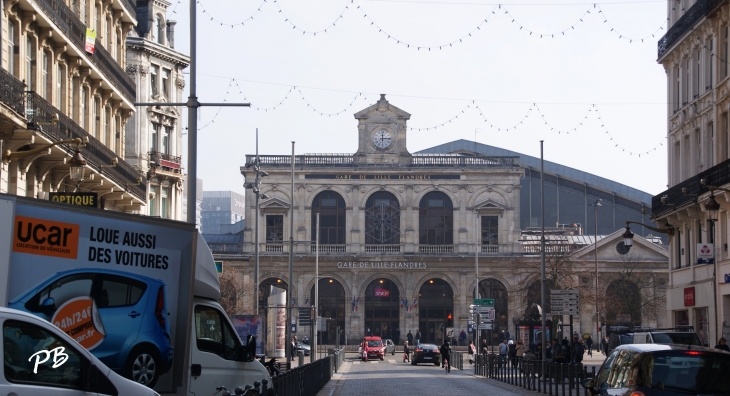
[393,353]
[143,366]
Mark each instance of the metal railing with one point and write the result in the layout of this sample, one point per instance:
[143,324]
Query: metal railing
[12,92]
[544,377]
[304,380]
[70,24]
[693,15]
[340,248]
[39,111]
[338,358]
[337,160]
[226,248]
[382,248]
[496,249]
[549,248]
[432,249]
[159,158]
[688,190]
[275,247]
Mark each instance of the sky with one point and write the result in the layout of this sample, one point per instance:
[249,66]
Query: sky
[581,76]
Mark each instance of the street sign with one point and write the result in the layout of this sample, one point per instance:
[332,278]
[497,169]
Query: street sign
[563,291]
[481,309]
[489,302]
[305,316]
[484,326]
[485,315]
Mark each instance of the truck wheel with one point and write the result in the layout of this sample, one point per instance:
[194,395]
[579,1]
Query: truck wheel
[143,366]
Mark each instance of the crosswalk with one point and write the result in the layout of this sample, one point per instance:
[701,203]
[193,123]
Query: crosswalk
[374,361]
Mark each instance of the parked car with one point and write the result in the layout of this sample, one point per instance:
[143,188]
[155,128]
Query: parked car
[81,373]
[131,330]
[372,348]
[303,347]
[661,369]
[389,346]
[426,353]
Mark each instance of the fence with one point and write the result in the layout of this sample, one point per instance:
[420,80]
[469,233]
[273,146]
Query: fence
[544,377]
[310,378]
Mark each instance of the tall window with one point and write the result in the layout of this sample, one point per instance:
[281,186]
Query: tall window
[331,209]
[154,135]
[725,52]
[696,79]
[12,42]
[108,121]
[30,63]
[490,230]
[166,83]
[97,18]
[96,120]
[153,200]
[274,228]
[76,98]
[382,219]
[676,96]
[708,65]
[160,29]
[154,87]
[435,219]
[164,202]
[60,88]
[84,110]
[685,82]
[109,39]
[166,140]
[45,80]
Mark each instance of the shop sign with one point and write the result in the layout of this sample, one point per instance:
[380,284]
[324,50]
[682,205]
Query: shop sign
[78,198]
[727,278]
[689,296]
[382,293]
[381,265]
[705,253]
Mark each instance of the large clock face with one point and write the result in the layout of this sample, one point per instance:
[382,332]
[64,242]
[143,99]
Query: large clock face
[382,139]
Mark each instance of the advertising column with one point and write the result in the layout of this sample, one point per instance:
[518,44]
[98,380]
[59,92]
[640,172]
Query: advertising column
[276,341]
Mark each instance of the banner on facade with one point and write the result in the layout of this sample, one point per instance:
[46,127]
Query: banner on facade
[382,292]
[90,41]
[705,253]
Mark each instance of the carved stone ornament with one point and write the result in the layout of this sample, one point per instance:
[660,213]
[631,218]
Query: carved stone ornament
[180,83]
[509,189]
[274,186]
[362,190]
[309,189]
[470,189]
[131,70]
[417,189]
[490,188]
[455,189]
[348,189]
[143,70]
[401,190]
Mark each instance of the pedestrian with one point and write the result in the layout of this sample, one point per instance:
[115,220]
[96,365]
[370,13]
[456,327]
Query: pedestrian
[507,335]
[462,337]
[396,341]
[485,347]
[604,345]
[520,350]
[503,350]
[577,350]
[409,336]
[293,347]
[512,352]
[613,342]
[472,350]
[538,351]
[418,337]
[528,366]
[722,344]
[406,353]
[589,345]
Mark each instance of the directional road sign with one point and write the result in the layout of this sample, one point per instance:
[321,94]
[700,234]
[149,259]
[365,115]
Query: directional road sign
[484,301]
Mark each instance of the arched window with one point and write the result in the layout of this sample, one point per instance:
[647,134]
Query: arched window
[160,29]
[265,291]
[435,219]
[332,305]
[382,219]
[494,289]
[435,304]
[331,209]
[382,309]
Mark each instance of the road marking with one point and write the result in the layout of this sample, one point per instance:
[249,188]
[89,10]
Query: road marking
[355,362]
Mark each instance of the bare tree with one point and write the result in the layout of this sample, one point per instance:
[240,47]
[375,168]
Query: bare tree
[237,295]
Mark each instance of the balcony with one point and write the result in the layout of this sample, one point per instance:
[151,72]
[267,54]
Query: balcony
[674,198]
[435,249]
[130,7]
[551,249]
[165,162]
[496,250]
[347,160]
[686,23]
[96,154]
[12,92]
[70,24]
[382,249]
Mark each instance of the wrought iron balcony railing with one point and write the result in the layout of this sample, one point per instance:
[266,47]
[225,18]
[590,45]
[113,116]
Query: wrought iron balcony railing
[39,111]
[70,24]
[698,11]
[347,160]
[167,162]
[12,92]
[675,197]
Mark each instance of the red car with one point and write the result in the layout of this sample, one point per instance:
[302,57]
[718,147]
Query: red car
[372,348]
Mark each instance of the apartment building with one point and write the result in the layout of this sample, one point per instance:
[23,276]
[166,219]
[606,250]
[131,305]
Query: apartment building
[65,99]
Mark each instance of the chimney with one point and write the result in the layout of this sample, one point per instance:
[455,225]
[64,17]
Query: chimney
[171,33]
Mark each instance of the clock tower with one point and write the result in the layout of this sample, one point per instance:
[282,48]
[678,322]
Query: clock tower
[382,134]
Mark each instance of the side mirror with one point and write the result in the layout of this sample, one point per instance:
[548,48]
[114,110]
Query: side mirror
[588,383]
[48,304]
[247,352]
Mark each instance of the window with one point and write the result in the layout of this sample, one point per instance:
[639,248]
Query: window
[621,370]
[274,228]
[107,127]
[685,82]
[166,83]
[154,88]
[45,81]
[97,18]
[490,230]
[160,29]
[331,209]
[164,207]
[382,219]
[96,120]
[696,83]
[30,63]
[60,291]
[679,249]
[214,334]
[22,340]
[154,136]
[708,65]
[84,110]
[12,45]
[725,52]
[435,219]
[109,39]
[153,200]
[60,88]
[166,139]
[676,89]
[118,291]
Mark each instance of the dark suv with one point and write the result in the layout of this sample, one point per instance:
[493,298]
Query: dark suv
[660,369]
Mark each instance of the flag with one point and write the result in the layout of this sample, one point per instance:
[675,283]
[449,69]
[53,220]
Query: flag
[354,303]
[293,302]
[401,302]
[415,304]
[306,302]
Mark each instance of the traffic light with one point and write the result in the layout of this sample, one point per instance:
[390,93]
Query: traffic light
[450,321]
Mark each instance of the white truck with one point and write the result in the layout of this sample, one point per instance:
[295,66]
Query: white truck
[141,294]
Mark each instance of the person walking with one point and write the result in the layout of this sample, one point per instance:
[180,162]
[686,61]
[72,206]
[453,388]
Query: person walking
[722,344]
[503,350]
[462,337]
[604,345]
[418,337]
[512,352]
[578,350]
[409,337]
[520,350]
[406,353]
[589,345]
[472,350]
[485,347]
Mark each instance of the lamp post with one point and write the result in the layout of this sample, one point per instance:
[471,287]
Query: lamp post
[712,207]
[255,186]
[595,260]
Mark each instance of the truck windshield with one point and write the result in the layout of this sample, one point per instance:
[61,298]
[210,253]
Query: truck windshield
[690,371]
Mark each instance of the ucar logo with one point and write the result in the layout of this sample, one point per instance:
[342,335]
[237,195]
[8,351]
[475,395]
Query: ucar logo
[45,237]
[382,293]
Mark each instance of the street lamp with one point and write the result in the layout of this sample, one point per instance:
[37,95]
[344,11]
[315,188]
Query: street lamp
[255,186]
[595,259]
[77,164]
[712,208]
[629,236]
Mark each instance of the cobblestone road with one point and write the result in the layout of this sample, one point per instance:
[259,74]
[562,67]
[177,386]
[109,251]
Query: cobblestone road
[391,377]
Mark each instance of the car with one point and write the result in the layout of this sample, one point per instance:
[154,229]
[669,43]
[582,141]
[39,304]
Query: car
[389,346]
[662,369]
[372,348]
[41,359]
[304,348]
[127,328]
[666,337]
[426,353]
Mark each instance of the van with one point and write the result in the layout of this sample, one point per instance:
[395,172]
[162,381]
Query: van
[666,337]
